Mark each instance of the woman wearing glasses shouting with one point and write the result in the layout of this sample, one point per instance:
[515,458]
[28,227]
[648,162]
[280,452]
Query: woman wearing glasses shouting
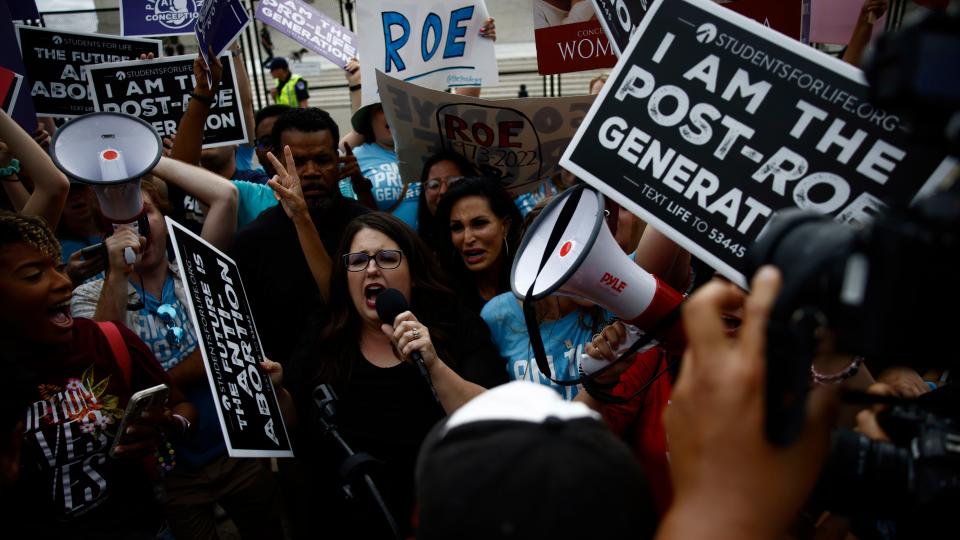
[384,407]
[149,298]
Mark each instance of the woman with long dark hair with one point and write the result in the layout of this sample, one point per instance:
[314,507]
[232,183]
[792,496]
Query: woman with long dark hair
[478,232]
[441,171]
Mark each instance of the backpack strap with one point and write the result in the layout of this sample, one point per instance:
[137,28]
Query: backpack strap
[120,352]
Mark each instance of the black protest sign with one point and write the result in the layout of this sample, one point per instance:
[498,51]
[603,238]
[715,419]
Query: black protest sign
[158,92]
[712,122]
[620,18]
[53,60]
[246,401]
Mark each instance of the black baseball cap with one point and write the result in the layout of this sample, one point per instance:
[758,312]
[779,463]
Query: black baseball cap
[278,63]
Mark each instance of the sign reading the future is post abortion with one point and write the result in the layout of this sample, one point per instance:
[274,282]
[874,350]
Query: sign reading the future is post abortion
[158,91]
[53,61]
[569,38]
[218,24]
[310,28]
[518,141]
[431,43]
[712,122]
[247,407]
[158,17]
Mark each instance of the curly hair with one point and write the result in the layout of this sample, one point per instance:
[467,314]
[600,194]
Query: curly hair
[20,229]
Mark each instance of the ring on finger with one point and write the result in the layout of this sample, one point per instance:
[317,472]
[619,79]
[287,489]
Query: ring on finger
[416,333]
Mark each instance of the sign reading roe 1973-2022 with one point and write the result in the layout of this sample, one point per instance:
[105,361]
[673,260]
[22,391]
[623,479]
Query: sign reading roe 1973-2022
[711,122]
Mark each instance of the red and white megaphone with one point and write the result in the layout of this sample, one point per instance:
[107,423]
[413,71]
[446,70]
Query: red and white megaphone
[569,250]
[111,152]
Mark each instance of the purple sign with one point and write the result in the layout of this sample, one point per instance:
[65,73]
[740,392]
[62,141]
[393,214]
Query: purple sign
[219,23]
[158,17]
[310,28]
[24,114]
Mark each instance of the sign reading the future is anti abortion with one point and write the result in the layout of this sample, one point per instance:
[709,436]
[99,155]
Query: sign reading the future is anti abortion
[712,122]
[310,28]
[432,43]
[158,17]
[53,61]
[247,406]
[518,141]
[158,91]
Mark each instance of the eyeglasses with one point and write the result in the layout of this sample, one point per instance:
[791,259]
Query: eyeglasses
[168,315]
[264,143]
[434,184]
[386,259]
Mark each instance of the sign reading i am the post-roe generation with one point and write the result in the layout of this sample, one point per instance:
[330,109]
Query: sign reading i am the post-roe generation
[711,122]
[247,405]
[158,92]
[53,60]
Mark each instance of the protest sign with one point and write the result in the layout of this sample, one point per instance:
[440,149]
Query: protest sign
[712,122]
[620,18]
[310,28]
[569,40]
[9,89]
[518,141]
[784,16]
[435,43]
[24,113]
[54,59]
[247,407]
[158,92]
[158,17]
[219,23]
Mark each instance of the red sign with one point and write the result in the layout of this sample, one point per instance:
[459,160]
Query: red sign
[784,16]
[573,47]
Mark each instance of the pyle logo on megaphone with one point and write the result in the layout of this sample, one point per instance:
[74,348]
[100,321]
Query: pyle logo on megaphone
[612,281]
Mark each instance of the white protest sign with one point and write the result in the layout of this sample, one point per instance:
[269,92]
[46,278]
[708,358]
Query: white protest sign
[516,141]
[431,43]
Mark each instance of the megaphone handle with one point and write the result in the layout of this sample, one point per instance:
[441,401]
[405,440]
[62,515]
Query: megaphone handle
[591,365]
[129,255]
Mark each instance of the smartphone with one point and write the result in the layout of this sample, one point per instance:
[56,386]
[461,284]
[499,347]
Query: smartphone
[90,252]
[149,398]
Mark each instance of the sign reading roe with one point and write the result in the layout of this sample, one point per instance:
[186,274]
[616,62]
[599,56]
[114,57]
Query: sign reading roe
[711,122]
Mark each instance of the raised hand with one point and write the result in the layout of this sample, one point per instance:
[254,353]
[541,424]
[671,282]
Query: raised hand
[286,185]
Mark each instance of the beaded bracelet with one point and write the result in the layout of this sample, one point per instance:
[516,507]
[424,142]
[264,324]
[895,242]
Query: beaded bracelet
[840,376]
[166,457]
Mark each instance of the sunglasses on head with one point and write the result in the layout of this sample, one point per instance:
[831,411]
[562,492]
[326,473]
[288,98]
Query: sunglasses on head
[434,184]
[386,259]
[168,315]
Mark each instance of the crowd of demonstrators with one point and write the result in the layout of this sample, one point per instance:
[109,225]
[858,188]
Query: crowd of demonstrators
[478,234]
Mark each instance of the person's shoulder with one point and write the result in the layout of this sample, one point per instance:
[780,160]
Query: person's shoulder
[500,306]
[89,288]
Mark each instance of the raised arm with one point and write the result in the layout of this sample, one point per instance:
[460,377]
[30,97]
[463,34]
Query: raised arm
[189,141]
[863,30]
[50,185]
[243,87]
[212,189]
[286,188]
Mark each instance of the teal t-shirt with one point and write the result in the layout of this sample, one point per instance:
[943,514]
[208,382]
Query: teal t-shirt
[253,199]
[379,165]
[563,341]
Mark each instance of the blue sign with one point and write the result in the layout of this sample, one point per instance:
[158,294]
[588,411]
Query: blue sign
[24,113]
[158,17]
[219,23]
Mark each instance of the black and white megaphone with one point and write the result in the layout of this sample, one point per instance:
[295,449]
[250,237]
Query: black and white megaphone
[569,250]
[111,152]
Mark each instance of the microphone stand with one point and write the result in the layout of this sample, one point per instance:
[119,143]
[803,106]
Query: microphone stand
[355,465]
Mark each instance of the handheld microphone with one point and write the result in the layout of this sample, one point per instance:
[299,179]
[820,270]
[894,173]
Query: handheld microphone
[391,303]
